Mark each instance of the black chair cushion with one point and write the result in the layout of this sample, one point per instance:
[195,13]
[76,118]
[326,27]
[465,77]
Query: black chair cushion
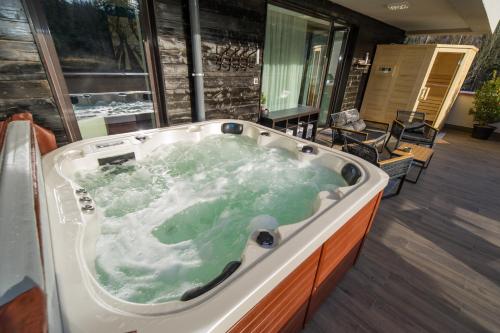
[417,137]
[415,127]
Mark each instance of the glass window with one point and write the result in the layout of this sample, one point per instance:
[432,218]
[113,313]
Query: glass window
[100,48]
[294,59]
[336,58]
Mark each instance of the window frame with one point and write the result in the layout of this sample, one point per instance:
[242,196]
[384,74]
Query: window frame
[50,60]
[347,43]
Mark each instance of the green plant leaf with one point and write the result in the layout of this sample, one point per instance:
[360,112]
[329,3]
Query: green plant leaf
[486,108]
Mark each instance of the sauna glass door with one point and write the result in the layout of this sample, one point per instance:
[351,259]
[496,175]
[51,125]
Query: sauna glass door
[436,88]
[101,52]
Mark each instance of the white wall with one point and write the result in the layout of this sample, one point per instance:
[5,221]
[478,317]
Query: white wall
[459,114]
[492,8]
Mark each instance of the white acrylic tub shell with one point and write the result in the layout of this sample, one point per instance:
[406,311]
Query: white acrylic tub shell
[87,307]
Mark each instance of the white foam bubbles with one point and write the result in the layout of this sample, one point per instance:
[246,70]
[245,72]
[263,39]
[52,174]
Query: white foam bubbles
[173,220]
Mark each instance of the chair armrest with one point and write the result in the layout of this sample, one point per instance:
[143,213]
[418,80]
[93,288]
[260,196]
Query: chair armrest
[431,133]
[376,122]
[377,125]
[407,157]
[396,166]
[356,134]
[431,129]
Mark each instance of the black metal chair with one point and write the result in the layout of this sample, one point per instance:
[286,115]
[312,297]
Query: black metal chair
[426,137]
[394,138]
[417,130]
[396,167]
[349,121]
[411,119]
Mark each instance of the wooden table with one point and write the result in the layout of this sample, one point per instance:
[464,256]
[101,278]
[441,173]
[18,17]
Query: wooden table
[421,156]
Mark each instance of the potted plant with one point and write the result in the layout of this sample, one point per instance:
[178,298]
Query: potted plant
[263,107]
[486,108]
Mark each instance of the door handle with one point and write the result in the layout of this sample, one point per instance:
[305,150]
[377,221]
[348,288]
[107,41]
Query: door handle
[422,93]
[427,93]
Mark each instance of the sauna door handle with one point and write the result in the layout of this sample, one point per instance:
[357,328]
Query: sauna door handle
[229,269]
[428,89]
[424,93]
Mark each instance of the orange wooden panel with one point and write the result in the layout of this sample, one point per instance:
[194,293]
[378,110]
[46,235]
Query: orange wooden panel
[45,138]
[321,292]
[296,324]
[377,199]
[284,307]
[24,314]
[341,243]
[334,265]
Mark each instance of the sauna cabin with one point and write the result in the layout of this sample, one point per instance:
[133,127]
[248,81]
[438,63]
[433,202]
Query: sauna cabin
[425,78]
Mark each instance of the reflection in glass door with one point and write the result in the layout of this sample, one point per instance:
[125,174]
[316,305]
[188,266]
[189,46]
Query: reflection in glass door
[317,48]
[303,58]
[294,59]
[100,48]
[334,70]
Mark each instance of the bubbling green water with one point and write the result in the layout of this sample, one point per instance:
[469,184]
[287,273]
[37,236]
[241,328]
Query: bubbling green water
[173,220]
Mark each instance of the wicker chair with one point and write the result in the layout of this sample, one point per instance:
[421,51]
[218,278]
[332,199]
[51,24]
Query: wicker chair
[417,130]
[349,121]
[396,167]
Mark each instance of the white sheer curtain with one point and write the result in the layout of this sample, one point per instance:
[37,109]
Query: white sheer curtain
[284,59]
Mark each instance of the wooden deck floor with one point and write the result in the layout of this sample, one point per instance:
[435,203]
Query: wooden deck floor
[431,262]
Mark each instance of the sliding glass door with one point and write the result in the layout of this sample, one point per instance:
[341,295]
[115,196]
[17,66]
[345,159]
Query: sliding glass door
[330,87]
[103,59]
[294,58]
[302,58]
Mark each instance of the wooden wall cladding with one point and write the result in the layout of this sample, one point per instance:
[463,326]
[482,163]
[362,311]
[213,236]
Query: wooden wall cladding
[284,308]
[397,90]
[172,25]
[366,33]
[228,94]
[288,306]
[23,82]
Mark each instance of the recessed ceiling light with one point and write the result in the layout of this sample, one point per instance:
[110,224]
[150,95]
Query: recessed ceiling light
[398,5]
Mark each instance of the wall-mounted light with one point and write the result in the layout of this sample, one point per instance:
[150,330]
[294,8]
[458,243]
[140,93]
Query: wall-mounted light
[398,5]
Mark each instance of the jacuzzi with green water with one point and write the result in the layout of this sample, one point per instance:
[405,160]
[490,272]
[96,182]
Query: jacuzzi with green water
[188,227]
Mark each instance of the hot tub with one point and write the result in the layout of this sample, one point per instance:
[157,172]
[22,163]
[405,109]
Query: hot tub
[281,257]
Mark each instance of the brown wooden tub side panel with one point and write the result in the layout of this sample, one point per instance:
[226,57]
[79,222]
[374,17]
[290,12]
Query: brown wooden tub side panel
[287,306]
[323,290]
[341,243]
[284,304]
[339,253]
